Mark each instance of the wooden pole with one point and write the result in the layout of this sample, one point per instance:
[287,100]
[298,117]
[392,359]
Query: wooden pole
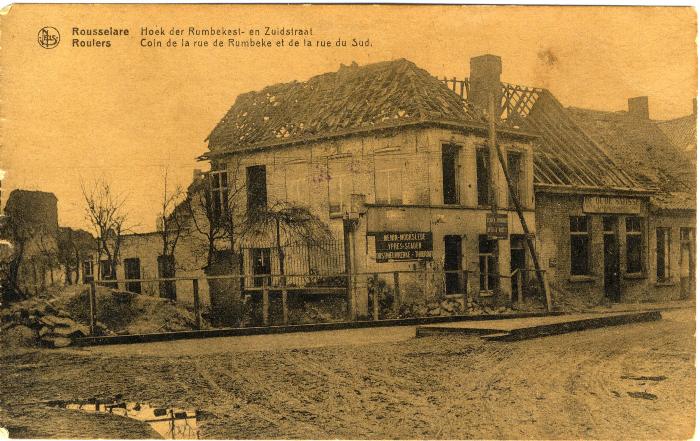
[93,305]
[266,302]
[493,168]
[348,268]
[526,230]
[397,293]
[375,298]
[195,295]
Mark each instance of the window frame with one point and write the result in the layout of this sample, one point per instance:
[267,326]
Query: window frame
[343,180]
[455,151]
[219,189]
[487,259]
[518,184]
[482,153]
[255,202]
[585,234]
[386,164]
[297,186]
[637,234]
[667,273]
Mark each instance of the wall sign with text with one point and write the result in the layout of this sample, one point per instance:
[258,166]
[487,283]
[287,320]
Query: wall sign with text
[412,245]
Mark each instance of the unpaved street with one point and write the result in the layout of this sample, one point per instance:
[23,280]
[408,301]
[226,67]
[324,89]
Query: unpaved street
[634,381]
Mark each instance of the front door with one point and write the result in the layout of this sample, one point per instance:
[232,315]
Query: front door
[611,253]
[453,264]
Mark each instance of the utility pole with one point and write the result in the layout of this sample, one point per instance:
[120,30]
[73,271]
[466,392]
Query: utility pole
[493,184]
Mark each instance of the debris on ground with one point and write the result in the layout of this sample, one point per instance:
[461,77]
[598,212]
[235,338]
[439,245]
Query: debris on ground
[57,316]
[451,306]
[39,321]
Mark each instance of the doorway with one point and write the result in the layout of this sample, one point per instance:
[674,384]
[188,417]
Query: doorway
[453,262]
[518,261]
[611,259]
[132,270]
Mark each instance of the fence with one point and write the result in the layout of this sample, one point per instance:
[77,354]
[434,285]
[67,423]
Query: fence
[389,294]
[285,264]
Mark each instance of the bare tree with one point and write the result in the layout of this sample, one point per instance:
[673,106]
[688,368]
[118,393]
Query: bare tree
[105,211]
[74,247]
[172,223]
[216,209]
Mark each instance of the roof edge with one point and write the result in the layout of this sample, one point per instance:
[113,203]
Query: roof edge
[517,134]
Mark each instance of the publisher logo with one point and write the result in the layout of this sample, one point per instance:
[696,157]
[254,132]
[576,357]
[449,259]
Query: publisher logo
[48,37]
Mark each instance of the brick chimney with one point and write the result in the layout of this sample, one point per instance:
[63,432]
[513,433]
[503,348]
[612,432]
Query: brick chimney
[638,107]
[484,77]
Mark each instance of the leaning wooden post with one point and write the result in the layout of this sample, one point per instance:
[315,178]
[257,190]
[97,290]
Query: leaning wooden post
[195,295]
[93,305]
[266,302]
[375,297]
[397,293]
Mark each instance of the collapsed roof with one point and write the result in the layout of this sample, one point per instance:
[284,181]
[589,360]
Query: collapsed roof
[353,99]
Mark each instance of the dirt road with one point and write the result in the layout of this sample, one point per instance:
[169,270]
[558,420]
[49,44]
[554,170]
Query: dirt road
[634,381]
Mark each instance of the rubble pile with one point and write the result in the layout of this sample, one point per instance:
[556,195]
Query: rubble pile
[450,306]
[41,321]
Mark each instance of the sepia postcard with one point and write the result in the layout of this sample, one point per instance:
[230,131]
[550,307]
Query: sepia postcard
[357,221]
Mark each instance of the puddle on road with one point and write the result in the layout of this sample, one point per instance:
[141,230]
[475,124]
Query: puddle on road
[169,423]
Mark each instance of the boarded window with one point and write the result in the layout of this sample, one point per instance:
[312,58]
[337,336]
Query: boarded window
[339,185]
[580,245]
[297,183]
[450,174]
[388,179]
[256,187]
[633,231]
[515,175]
[483,183]
[663,254]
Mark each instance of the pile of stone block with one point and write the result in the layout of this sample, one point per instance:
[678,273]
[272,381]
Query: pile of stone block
[451,306]
[39,321]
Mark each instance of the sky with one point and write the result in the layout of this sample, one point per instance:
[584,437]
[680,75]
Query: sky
[126,113]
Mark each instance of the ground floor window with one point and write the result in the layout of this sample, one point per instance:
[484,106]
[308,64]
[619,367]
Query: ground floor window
[579,231]
[663,254]
[488,265]
[634,245]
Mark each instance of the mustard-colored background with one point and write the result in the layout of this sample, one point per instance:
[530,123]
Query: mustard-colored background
[127,112]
